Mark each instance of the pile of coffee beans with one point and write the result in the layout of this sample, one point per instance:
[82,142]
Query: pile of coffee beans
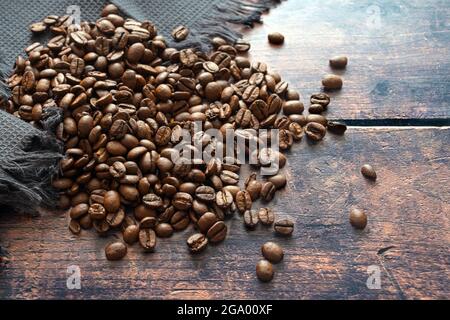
[127,98]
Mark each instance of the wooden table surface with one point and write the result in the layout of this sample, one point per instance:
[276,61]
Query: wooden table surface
[396,99]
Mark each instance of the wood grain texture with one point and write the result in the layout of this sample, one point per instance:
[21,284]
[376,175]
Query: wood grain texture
[399,65]
[408,208]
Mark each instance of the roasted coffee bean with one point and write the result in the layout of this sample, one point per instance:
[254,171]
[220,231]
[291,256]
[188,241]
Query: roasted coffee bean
[118,170]
[284,227]
[180,220]
[332,82]
[206,221]
[279,180]
[115,251]
[317,118]
[164,230]
[229,177]
[147,239]
[336,127]
[217,232]
[243,201]
[131,234]
[272,252]
[180,33]
[254,189]
[338,62]
[148,222]
[115,219]
[369,172]
[315,131]
[224,199]
[264,270]
[251,219]
[182,201]
[111,201]
[316,109]
[38,27]
[79,210]
[266,216]
[293,107]
[241,45]
[197,242]
[152,201]
[268,191]
[320,98]
[276,38]
[296,130]
[74,226]
[358,219]
[97,211]
[205,193]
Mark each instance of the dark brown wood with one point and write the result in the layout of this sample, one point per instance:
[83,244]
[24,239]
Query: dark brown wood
[399,66]
[407,206]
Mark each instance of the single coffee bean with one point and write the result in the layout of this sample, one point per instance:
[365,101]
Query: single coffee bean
[97,211]
[369,172]
[180,33]
[358,219]
[316,109]
[320,98]
[197,242]
[229,177]
[284,227]
[182,201]
[338,62]
[251,219]
[115,219]
[131,234]
[243,201]
[217,232]
[180,220]
[148,222]
[79,210]
[224,199]
[152,201]
[206,221]
[115,251]
[254,189]
[267,191]
[241,46]
[205,193]
[272,252]
[74,226]
[293,107]
[147,239]
[264,270]
[279,180]
[276,38]
[163,230]
[266,216]
[38,27]
[315,131]
[111,201]
[332,82]
[336,127]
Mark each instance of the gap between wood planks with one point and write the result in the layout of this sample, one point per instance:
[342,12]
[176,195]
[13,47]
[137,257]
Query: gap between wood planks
[445,122]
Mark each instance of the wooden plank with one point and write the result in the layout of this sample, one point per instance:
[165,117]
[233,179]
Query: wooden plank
[399,66]
[408,207]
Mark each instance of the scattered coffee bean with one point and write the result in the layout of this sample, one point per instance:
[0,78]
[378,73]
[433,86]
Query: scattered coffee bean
[369,172]
[217,232]
[358,219]
[180,33]
[336,127]
[163,230]
[268,191]
[284,227]
[115,251]
[197,242]
[279,180]
[276,38]
[266,216]
[131,234]
[272,252]
[264,270]
[147,239]
[315,131]
[251,219]
[332,82]
[338,62]
[243,201]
